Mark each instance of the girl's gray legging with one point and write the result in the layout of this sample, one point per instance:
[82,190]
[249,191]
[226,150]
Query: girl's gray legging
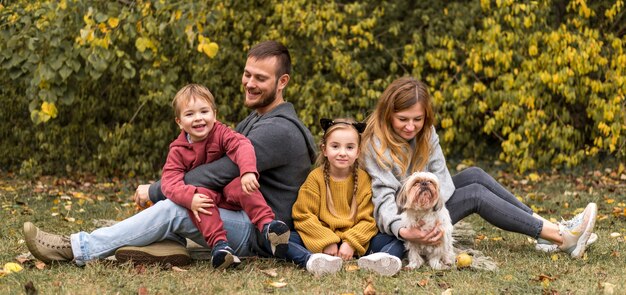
[478,192]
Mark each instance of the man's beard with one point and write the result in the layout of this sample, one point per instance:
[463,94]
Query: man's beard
[263,101]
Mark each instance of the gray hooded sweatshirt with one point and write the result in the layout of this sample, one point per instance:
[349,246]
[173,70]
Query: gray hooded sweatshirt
[386,184]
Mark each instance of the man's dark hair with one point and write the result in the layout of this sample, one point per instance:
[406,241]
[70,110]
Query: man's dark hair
[267,49]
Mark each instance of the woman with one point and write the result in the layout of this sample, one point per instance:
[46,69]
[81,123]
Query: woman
[400,139]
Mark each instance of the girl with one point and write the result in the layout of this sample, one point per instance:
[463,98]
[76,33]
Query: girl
[333,212]
[400,139]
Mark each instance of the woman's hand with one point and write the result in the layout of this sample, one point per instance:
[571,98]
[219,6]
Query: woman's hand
[346,252]
[423,237]
[330,250]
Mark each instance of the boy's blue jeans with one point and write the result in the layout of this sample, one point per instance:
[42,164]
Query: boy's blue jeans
[164,220]
[299,254]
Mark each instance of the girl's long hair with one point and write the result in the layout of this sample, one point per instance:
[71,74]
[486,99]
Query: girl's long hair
[400,95]
[323,161]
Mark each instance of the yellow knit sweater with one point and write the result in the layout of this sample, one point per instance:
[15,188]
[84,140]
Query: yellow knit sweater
[319,228]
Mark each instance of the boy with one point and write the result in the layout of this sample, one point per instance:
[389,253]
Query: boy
[202,140]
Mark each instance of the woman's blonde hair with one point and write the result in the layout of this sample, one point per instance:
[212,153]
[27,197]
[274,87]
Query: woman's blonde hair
[400,95]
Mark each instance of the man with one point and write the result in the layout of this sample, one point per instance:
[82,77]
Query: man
[285,150]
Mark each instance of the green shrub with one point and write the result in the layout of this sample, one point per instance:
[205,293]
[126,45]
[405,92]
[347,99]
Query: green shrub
[86,85]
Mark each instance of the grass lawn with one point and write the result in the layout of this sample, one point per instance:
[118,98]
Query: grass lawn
[66,206]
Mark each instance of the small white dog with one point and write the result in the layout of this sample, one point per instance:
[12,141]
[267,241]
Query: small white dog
[422,207]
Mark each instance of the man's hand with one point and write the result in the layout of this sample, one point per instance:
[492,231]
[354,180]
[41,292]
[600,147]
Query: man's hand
[417,235]
[249,183]
[141,197]
[330,250]
[199,203]
[346,252]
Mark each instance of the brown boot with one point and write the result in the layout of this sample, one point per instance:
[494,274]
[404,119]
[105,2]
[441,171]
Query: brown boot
[162,252]
[45,246]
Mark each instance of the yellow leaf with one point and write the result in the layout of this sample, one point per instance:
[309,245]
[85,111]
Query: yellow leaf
[10,267]
[270,272]
[277,284]
[113,22]
[49,109]
[211,49]
[352,267]
[554,257]
[534,176]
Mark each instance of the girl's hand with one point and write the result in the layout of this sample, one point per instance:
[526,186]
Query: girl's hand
[330,250]
[199,203]
[424,237]
[346,252]
[249,183]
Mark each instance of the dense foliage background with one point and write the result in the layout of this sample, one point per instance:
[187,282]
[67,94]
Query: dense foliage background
[85,86]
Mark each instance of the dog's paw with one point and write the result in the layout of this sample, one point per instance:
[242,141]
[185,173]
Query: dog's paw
[413,265]
[438,264]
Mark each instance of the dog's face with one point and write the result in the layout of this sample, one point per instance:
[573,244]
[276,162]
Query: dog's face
[420,192]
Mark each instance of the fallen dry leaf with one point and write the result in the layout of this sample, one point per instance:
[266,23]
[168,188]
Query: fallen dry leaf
[277,284]
[176,268]
[270,272]
[10,267]
[447,292]
[29,288]
[422,282]
[352,267]
[142,291]
[369,288]
[40,265]
[608,288]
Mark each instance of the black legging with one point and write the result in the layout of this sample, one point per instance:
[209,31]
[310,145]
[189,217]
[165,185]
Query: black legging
[478,192]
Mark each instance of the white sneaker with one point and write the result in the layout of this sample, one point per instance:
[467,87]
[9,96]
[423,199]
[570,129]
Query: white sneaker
[549,247]
[382,263]
[577,233]
[320,264]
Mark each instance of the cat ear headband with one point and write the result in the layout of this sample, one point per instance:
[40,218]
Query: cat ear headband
[326,123]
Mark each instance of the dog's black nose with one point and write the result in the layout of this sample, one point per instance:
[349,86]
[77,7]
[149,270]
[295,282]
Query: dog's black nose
[424,183]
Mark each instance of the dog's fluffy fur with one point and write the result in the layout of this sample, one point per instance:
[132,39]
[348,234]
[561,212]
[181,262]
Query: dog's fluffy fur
[419,202]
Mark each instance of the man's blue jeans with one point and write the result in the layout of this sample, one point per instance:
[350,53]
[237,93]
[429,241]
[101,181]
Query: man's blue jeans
[164,220]
[299,254]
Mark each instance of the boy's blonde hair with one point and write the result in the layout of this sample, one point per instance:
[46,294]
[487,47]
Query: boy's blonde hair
[189,93]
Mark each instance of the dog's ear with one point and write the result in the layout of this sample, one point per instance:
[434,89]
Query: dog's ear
[438,206]
[401,199]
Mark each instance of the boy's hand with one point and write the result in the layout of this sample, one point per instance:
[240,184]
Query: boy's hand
[249,183]
[199,203]
[346,252]
[330,250]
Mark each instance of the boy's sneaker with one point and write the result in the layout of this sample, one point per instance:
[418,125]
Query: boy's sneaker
[577,232]
[383,263]
[45,246]
[277,233]
[163,252]
[320,264]
[222,256]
